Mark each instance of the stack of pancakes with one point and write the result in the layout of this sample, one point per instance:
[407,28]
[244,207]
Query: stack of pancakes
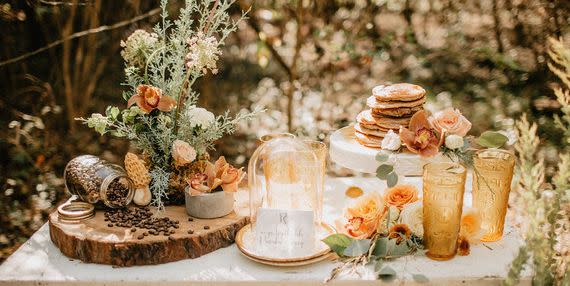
[391,106]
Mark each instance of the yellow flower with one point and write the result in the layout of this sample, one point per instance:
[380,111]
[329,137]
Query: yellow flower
[400,231]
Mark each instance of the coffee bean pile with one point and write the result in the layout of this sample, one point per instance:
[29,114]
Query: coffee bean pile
[118,192]
[141,218]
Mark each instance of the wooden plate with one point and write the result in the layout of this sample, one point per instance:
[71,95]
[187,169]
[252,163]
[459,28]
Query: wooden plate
[243,239]
[93,241]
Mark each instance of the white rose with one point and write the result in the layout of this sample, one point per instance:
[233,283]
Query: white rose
[412,215]
[183,153]
[391,141]
[454,142]
[200,117]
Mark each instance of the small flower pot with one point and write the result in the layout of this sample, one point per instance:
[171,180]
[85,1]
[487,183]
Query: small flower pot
[209,205]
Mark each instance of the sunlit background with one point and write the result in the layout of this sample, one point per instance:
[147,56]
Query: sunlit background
[311,64]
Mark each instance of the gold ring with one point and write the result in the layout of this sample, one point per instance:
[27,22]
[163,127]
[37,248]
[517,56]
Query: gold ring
[73,212]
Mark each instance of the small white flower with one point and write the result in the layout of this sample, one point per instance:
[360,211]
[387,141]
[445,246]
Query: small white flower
[412,215]
[138,46]
[98,122]
[200,117]
[454,142]
[204,53]
[391,141]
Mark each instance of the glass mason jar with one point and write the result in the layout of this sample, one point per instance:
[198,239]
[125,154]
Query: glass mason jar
[98,182]
[443,188]
[492,176]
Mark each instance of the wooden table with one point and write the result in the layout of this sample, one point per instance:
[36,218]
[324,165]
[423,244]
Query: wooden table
[39,262]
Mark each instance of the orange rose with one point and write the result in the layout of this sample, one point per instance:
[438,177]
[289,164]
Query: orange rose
[450,121]
[471,225]
[364,216]
[401,195]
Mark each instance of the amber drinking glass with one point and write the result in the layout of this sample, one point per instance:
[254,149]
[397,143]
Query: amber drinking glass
[320,150]
[492,178]
[443,188]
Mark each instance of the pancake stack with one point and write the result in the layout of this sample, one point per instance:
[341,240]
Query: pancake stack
[391,106]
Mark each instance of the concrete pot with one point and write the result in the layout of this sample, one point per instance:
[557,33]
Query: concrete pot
[209,205]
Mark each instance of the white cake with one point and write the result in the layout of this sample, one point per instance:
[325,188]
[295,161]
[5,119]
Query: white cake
[347,152]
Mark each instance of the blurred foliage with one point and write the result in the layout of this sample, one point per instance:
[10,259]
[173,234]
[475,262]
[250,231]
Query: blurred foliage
[310,63]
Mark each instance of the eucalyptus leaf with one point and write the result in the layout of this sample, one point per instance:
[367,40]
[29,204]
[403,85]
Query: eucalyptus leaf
[381,157]
[397,250]
[420,278]
[387,274]
[378,266]
[381,247]
[492,139]
[114,112]
[392,179]
[338,242]
[383,171]
[357,248]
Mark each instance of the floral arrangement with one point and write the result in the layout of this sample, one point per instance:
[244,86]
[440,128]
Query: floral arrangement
[380,227]
[161,117]
[444,132]
[220,176]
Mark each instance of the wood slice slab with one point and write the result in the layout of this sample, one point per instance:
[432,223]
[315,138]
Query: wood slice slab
[94,242]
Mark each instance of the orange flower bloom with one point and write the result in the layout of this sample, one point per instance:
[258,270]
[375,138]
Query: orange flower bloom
[421,138]
[463,246]
[471,225]
[399,231]
[401,195]
[362,219]
[149,98]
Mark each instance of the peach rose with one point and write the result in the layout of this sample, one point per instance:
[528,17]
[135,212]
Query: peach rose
[450,121]
[182,153]
[149,98]
[401,195]
[229,176]
[362,219]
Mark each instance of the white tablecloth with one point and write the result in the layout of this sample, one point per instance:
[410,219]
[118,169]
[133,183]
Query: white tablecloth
[39,262]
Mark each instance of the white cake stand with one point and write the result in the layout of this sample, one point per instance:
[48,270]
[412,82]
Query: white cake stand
[347,152]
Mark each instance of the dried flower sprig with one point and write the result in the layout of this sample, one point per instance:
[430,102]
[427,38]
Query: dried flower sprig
[544,211]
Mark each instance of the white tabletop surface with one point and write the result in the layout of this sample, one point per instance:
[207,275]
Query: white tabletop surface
[39,262]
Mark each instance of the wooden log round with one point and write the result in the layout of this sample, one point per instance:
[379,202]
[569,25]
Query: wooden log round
[93,241]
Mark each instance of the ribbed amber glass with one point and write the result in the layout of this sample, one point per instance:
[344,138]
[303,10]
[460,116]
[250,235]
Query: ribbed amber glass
[443,188]
[492,178]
